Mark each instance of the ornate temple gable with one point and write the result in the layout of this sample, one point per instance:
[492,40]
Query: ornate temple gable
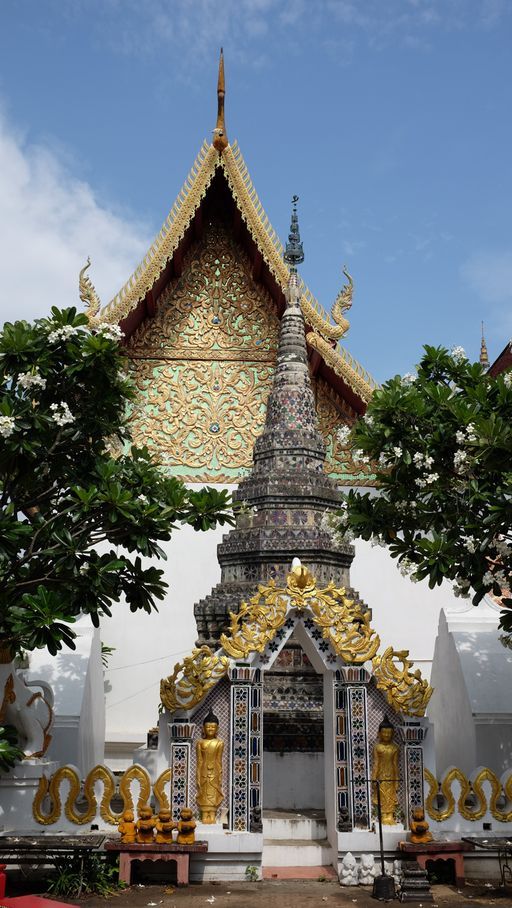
[213,342]
[136,301]
[339,628]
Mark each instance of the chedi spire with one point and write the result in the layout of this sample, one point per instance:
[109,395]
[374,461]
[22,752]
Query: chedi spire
[291,422]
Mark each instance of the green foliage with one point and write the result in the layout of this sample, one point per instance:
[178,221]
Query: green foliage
[252,874]
[82,875]
[441,443]
[10,753]
[75,520]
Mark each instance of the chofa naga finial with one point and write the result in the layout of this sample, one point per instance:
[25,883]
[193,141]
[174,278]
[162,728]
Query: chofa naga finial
[294,252]
[343,302]
[220,139]
[87,293]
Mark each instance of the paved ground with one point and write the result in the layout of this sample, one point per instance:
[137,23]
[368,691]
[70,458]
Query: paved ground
[287,894]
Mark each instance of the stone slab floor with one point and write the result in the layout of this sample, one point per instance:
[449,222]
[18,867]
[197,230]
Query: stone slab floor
[288,894]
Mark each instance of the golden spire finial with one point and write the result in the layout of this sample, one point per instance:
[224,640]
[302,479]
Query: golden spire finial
[220,139]
[484,356]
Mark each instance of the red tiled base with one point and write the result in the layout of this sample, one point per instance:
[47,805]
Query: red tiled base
[299,873]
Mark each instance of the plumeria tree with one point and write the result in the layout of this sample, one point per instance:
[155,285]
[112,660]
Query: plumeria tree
[78,505]
[441,444]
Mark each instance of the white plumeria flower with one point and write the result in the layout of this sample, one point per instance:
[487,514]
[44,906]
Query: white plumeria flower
[62,333]
[508,380]
[460,463]
[7,426]
[471,544]
[62,415]
[409,378]
[343,434]
[31,380]
[458,354]
[113,332]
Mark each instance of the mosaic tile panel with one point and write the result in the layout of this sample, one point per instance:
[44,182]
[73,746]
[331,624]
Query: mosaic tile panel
[255,754]
[414,778]
[343,818]
[180,763]
[358,756]
[240,710]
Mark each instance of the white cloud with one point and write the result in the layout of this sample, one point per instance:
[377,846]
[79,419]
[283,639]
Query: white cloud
[50,221]
[196,27]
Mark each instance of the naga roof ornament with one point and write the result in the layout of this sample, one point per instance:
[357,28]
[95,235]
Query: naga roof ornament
[87,293]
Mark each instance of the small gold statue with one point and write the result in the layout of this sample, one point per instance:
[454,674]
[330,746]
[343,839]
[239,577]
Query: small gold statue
[127,827]
[186,827]
[164,826]
[420,833]
[209,751]
[385,772]
[145,826]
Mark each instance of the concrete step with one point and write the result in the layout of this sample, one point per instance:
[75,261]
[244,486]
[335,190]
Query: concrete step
[293,826]
[296,852]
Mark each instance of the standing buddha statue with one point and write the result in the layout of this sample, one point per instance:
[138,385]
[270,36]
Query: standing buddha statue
[385,772]
[209,751]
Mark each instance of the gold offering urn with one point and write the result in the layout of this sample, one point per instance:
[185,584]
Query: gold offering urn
[209,750]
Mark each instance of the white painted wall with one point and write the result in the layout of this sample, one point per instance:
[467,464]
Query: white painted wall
[148,646]
[76,678]
[293,781]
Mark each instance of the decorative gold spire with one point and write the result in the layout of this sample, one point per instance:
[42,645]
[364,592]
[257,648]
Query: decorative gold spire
[220,139]
[87,293]
[484,356]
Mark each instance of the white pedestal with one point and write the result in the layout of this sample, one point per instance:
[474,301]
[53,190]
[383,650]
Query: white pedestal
[17,791]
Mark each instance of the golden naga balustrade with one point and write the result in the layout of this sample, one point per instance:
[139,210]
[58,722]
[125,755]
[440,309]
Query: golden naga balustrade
[472,803]
[68,775]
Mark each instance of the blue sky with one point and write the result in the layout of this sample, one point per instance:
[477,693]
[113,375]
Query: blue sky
[389,118]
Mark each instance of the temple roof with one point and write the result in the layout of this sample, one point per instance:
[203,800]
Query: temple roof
[137,297]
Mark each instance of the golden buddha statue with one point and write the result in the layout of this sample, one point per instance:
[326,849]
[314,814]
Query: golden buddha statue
[385,772]
[186,827]
[209,751]
[127,827]
[420,833]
